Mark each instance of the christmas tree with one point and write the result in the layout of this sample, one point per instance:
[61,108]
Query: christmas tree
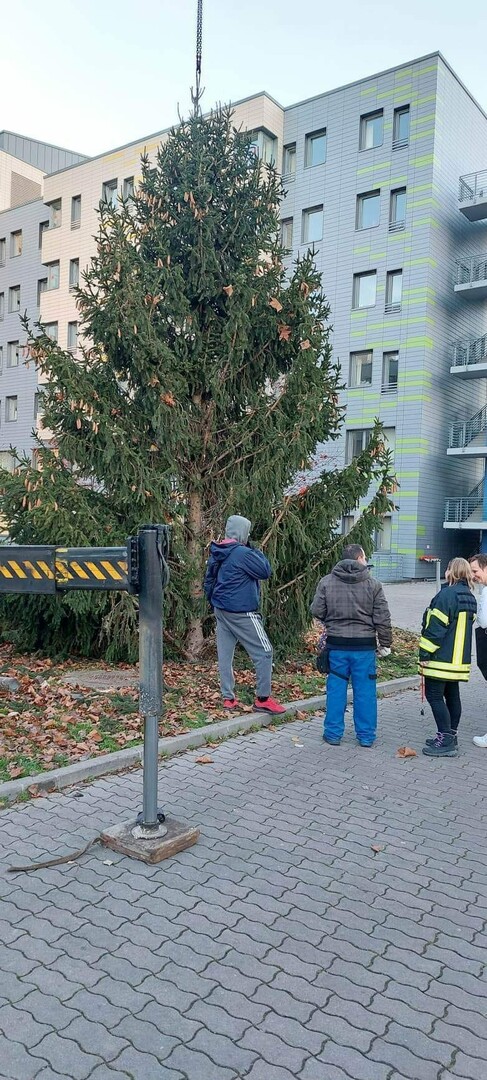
[204,387]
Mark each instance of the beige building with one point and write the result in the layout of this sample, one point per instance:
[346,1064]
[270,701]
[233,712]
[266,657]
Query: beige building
[73,195]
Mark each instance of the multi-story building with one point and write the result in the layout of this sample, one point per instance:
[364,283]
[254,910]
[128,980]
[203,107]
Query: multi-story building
[23,217]
[371,172]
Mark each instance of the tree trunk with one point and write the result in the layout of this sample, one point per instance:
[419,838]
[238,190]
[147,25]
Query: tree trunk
[194,637]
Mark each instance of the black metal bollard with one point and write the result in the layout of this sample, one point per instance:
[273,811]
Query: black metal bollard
[152,578]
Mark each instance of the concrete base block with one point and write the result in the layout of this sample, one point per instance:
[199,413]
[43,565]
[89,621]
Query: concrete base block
[177,837]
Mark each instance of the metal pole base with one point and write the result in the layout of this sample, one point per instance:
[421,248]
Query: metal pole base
[161,817]
[151,846]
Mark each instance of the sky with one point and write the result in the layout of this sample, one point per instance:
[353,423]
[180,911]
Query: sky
[91,76]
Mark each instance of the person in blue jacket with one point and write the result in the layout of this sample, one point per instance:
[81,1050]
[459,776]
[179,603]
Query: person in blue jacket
[232,585]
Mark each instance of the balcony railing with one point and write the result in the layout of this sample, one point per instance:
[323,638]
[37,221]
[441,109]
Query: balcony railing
[470,352]
[461,434]
[462,509]
[469,271]
[473,186]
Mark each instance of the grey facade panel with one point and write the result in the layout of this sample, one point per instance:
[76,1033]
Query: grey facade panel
[42,155]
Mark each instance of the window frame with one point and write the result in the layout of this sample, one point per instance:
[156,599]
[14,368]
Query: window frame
[50,272]
[356,358]
[13,350]
[309,141]
[3,250]
[55,213]
[72,348]
[388,387]
[43,227]
[398,142]
[8,399]
[362,198]
[289,155]
[357,278]
[76,206]
[307,212]
[397,224]
[365,118]
[2,305]
[128,188]
[286,225]
[14,293]
[73,284]
[365,433]
[392,306]
[49,326]
[14,235]
[111,187]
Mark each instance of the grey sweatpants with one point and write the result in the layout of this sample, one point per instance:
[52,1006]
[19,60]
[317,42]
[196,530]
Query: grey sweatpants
[245,627]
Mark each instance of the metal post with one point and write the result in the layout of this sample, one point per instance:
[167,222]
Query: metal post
[150,664]
[438,575]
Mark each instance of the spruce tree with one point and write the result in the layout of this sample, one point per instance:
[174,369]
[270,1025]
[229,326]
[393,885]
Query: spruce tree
[205,384]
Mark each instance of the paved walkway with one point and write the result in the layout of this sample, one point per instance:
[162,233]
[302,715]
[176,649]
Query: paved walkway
[283,945]
[407,601]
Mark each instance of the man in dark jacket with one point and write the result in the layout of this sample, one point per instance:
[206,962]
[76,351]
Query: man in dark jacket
[231,585]
[354,610]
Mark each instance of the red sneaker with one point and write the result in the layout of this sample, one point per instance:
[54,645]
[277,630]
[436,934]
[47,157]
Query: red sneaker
[230,703]
[269,705]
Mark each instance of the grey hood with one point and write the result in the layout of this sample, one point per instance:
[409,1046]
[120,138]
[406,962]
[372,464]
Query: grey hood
[238,528]
[351,571]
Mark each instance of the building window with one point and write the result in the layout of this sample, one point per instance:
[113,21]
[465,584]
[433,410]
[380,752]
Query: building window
[13,354]
[51,330]
[360,369]
[287,233]
[400,133]
[390,438]
[15,243]
[128,187]
[56,214]
[289,160]
[14,298]
[368,210]
[41,287]
[315,148]
[372,130]
[357,440]
[264,146]
[109,193]
[393,291]
[72,336]
[312,224]
[383,536]
[1,359]
[390,366]
[52,275]
[397,211]
[38,406]
[76,211]
[3,251]
[11,412]
[73,273]
[348,522]
[2,305]
[43,225]
[364,289]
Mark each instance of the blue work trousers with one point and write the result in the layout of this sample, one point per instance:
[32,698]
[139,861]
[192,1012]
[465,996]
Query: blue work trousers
[360,666]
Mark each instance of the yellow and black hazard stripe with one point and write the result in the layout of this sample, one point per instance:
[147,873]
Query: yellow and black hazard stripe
[47,569]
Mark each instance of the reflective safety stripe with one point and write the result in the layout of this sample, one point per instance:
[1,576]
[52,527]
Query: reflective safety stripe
[46,569]
[445,676]
[447,665]
[95,570]
[440,615]
[17,569]
[427,645]
[6,573]
[459,645]
[79,571]
[34,571]
[111,570]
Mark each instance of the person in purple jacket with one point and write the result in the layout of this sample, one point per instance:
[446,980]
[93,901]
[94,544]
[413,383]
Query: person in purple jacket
[232,585]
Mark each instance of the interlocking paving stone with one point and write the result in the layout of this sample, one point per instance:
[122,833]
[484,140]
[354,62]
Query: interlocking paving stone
[280,946]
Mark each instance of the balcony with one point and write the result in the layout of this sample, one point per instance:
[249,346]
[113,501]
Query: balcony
[468,437]
[469,358]
[468,512]
[473,196]
[471,277]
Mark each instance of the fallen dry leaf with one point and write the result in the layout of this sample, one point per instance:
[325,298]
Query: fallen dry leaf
[301,715]
[406,752]
[376,848]
[228,289]
[284,332]
[204,760]
[276,304]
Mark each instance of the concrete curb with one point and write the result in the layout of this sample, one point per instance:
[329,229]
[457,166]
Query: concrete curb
[119,760]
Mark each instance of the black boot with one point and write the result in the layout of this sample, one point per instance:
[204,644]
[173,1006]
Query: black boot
[432,742]
[443,746]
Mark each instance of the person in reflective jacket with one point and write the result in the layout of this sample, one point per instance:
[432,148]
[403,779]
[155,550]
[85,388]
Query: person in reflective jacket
[445,650]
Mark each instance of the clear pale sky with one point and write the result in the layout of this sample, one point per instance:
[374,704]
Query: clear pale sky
[91,75]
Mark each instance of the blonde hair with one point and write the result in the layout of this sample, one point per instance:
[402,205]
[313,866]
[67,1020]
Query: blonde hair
[459,570]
